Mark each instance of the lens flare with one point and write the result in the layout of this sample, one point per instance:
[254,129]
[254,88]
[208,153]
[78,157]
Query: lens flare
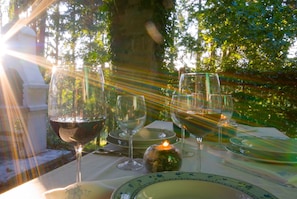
[13,119]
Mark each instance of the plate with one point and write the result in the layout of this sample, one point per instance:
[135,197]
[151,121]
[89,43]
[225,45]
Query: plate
[143,139]
[269,149]
[194,185]
[245,154]
[83,190]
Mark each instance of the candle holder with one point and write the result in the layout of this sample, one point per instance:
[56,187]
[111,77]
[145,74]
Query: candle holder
[163,157]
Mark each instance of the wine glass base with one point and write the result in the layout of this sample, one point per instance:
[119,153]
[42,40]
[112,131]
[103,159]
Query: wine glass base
[131,164]
[186,153]
[219,147]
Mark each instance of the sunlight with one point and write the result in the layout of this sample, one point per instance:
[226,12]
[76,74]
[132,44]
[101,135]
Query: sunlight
[13,118]
[39,9]
[14,122]
[2,48]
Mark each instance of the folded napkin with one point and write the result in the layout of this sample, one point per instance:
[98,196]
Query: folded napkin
[282,174]
[87,190]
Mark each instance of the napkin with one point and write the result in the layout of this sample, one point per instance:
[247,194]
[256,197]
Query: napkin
[87,190]
[279,173]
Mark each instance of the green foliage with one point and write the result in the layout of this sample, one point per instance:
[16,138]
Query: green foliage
[237,38]
[264,99]
[78,34]
[240,34]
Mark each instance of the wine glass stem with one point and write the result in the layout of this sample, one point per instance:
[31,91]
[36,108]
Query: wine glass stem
[183,135]
[220,135]
[199,159]
[130,145]
[78,152]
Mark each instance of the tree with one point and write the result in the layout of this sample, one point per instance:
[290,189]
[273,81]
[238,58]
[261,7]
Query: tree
[80,29]
[240,34]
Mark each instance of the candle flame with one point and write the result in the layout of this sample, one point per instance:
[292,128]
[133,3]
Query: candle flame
[223,117]
[165,143]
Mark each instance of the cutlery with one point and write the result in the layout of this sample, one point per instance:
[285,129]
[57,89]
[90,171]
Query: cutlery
[112,152]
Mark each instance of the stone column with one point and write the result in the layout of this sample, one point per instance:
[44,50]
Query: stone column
[30,111]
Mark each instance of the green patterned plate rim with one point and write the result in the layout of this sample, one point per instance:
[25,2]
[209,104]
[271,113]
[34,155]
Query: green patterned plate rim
[132,188]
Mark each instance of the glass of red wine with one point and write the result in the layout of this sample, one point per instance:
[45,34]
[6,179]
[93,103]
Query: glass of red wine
[76,106]
[201,106]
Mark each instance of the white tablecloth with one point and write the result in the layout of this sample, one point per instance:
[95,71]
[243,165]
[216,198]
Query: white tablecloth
[98,167]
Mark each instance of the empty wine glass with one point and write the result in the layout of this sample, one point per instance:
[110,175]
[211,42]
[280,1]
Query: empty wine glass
[76,106]
[131,116]
[202,106]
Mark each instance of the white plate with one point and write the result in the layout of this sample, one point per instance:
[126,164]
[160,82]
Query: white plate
[143,139]
[269,144]
[245,154]
[269,149]
[171,185]
[83,190]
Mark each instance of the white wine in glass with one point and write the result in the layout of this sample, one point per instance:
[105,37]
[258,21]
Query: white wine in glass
[227,112]
[175,105]
[201,110]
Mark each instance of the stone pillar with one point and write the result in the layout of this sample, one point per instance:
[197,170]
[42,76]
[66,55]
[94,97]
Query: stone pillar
[32,105]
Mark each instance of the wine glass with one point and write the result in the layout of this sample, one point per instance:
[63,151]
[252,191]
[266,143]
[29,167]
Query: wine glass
[131,116]
[76,106]
[227,107]
[175,105]
[201,110]
[227,112]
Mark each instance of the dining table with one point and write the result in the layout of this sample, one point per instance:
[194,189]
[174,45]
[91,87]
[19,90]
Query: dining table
[277,179]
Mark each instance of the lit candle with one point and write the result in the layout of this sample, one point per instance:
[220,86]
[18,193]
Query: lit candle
[164,146]
[163,157]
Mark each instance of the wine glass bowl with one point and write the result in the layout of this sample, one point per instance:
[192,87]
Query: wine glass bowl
[203,102]
[227,107]
[130,116]
[196,119]
[227,112]
[201,107]
[175,108]
[76,106]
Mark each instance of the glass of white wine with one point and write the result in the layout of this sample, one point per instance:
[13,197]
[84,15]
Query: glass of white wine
[175,105]
[227,112]
[201,111]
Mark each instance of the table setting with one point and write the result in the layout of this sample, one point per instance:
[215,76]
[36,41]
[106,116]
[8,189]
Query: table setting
[101,172]
[150,161]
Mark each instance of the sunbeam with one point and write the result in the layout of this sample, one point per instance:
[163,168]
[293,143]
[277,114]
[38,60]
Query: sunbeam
[13,121]
[40,61]
[40,7]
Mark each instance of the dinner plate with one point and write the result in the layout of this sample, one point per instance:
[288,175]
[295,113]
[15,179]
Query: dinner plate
[175,185]
[245,154]
[142,139]
[266,149]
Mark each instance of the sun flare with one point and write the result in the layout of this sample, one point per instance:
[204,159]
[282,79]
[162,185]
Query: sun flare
[13,120]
